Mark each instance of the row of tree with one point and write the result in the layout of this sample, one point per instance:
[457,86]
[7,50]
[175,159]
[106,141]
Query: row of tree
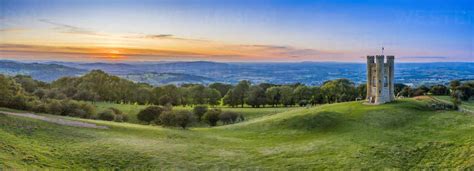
[100,86]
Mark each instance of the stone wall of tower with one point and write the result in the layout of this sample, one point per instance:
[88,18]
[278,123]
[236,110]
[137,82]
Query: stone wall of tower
[370,65]
[391,76]
[379,79]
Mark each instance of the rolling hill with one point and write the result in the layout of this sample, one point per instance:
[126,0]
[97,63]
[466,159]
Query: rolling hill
[406,134]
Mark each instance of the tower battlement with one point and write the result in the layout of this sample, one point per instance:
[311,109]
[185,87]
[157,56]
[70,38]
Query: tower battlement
[380,79]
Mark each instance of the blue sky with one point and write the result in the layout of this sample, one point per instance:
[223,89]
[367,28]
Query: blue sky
[237,30]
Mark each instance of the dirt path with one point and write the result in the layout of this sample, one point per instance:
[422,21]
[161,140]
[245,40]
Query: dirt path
[56,120]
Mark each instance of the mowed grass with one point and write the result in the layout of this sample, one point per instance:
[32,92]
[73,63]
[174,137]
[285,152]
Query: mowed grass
[131,110]
[405,134]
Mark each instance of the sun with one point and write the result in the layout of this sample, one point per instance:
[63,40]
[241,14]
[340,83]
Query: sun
[114,54]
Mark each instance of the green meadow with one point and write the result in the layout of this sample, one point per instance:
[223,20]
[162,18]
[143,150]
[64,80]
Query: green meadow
[406,134]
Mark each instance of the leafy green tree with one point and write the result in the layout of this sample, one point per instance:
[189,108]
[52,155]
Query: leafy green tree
[198,94]
[167,118]
[273,96]
[213,96]
[221,87]
[183,118]
[212,116]
[199,111]
[241,91]
[228,117]
[398,88]
[149,114]
[406,92]
[465,92]
[439,90]
[230,99]
[362,91]
[339,90]
[316,96]
[107,115]
[286,95]
[302,95]
[256,96]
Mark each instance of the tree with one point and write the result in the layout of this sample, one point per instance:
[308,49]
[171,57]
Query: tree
[398,88]
[439,90]
[273,96]
[149,114]
[167,118]
[198,94]
[339,90]
[241,90]
[230,99]
[183,118]
[213,96]
[256,96]
[222,88]
[212,116]
[199,111]
[406,92]
[316,96]
[464,91]
[228,117]
[107,115]
[454,84]
[302,95]
[362,91]
[286,96]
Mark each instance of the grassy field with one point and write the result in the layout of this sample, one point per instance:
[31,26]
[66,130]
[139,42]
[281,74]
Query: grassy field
[132,110]
[405,134]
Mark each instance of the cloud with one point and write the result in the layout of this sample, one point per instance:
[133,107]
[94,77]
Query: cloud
[65,28]
[159,36]
[163,37]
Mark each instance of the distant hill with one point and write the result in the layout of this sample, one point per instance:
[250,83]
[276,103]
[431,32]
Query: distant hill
[39,71]
[167,78]
[309,73]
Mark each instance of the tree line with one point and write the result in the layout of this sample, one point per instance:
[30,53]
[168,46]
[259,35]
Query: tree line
[64,95]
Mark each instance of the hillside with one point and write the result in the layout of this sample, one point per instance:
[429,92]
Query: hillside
[39,71]
[405,134]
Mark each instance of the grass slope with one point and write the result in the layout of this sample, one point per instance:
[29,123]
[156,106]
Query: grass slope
[404,134]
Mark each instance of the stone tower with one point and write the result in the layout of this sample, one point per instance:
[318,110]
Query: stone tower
[380,79]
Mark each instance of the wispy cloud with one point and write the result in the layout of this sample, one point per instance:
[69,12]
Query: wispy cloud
[70,29]
[423,57]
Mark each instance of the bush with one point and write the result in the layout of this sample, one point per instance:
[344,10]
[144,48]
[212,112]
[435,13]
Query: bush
[107,115]
[212,116]
[54,107]
[166,119]
[228,117]
[150,114]
[183,118]
[199,111]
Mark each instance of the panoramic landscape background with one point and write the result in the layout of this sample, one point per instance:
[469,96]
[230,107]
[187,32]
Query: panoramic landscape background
[235,85]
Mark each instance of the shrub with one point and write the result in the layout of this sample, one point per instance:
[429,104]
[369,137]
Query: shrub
[199,111]
[149,114]
[212,116]
[166,119]
[107,115]
[54,107]
[228,117]
[183,118]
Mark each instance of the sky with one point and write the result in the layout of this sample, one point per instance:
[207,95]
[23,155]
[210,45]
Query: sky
[237,30]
